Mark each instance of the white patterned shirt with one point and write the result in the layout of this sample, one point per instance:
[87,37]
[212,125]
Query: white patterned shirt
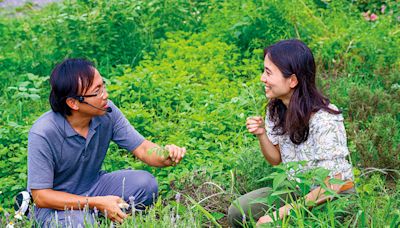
[325,147]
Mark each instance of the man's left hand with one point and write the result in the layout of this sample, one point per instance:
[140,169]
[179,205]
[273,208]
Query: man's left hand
[175,153]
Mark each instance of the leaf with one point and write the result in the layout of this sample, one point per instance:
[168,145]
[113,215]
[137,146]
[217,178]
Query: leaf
[336,181]
[394,222]
[217,215]
[269,177]
[278,180]
[34,96]
[281,192]
[368,188]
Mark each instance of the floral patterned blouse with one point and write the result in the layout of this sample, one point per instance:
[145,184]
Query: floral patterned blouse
[325,147]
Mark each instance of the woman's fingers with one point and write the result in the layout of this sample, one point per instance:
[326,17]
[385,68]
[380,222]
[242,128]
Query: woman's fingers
[255,125]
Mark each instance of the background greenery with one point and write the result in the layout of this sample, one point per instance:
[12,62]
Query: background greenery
[187,72]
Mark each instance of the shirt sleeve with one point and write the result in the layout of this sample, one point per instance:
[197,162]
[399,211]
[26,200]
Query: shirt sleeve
[124,134]
[40,163]
[269,126]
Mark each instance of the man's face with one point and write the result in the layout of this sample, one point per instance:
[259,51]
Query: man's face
[97,97]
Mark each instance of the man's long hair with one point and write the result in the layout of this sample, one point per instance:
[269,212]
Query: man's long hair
[70,78]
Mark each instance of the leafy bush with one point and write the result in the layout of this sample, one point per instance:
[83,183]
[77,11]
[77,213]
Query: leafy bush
[109,32]
[195,79]
[372,112]
[378,145]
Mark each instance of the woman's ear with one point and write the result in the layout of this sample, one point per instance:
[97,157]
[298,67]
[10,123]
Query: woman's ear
[72,103]
[293,81]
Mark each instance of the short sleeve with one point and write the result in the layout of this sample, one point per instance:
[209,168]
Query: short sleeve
[40,163]
[269,126]
[329,137]
[124,134]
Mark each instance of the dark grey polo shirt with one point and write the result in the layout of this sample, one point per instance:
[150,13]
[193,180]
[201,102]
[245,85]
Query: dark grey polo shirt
[62,160]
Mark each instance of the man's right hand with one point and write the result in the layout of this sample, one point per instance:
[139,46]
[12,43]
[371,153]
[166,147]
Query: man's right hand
[255,125]
[49,198]
[109,205]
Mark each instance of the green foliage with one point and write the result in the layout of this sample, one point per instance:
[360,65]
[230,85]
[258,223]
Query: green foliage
[110,32]
[370,103]
[379,143]
[290,183]
[378,7]
[374,206]
[198,81]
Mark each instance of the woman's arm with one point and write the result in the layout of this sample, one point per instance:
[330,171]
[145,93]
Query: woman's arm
[256,126]
[270,152]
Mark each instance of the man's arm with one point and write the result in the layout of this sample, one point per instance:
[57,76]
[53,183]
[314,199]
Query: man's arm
[49,198]
[148,152]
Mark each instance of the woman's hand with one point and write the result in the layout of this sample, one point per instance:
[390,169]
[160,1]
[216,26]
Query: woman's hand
[255,125]
[264,219]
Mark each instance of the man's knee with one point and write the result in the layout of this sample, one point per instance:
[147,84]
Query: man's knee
[146,181]
[144,186]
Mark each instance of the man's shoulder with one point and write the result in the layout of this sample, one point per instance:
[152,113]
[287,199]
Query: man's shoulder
[47,123]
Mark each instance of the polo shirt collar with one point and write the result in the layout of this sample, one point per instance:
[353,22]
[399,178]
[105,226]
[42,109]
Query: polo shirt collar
[64,125]
[94,122]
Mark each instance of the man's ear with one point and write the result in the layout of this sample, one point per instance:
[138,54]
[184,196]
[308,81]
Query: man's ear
[293,81]
[72,103]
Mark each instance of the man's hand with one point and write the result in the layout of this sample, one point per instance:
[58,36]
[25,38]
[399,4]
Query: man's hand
[175,153]
[109,205]
[155,155]
[255,125]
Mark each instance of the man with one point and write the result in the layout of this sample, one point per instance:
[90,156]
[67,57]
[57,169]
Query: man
[67,146]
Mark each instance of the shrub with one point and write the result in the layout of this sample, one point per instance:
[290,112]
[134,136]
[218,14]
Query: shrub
[378,145]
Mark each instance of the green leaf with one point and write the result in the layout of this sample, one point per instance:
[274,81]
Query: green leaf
[278,180]
[281,192]
[34,96]
[368,188]
[336,181]
[217,215]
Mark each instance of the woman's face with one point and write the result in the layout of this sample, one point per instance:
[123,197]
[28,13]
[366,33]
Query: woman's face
[276,86]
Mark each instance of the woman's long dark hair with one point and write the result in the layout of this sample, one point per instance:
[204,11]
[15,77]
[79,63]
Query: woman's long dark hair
[294,57]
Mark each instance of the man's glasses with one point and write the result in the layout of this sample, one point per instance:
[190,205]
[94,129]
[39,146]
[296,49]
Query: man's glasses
[99,93]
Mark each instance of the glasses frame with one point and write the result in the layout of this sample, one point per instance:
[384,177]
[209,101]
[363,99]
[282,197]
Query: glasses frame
[103,89]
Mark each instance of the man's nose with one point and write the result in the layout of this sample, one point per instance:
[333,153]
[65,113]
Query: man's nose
[105,96]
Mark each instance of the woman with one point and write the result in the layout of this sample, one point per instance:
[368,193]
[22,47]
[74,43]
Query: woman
[300,125]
